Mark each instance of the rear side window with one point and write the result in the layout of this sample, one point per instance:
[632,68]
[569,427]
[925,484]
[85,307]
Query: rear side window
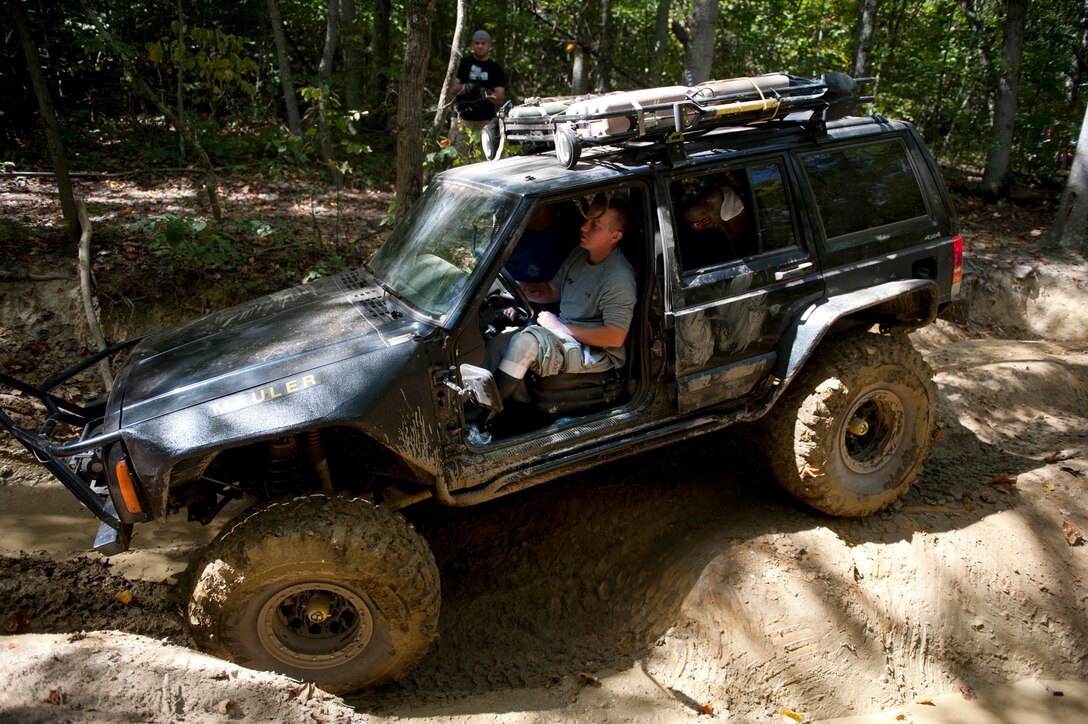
[864,187]
[732,214]
[773,206]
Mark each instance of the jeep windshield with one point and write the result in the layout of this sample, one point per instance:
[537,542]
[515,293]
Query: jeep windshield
[432,255]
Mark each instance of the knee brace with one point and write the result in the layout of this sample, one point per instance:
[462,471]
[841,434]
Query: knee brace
[523,353]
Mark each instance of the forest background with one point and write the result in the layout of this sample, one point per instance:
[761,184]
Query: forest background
[329,95]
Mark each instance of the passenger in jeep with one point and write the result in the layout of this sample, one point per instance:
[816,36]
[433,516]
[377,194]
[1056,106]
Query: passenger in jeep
[596,292]
[718,228]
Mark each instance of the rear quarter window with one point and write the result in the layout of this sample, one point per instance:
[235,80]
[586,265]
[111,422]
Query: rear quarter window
[864,187]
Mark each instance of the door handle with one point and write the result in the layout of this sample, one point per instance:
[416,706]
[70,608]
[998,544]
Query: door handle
[797,271]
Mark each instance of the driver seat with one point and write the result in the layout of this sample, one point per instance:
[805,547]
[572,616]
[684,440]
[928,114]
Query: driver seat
[575,392]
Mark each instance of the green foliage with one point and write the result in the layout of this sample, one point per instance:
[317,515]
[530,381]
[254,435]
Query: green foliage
[350,151]
[187,244]
[215,63]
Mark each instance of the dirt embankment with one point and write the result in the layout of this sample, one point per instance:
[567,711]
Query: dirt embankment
[673,586]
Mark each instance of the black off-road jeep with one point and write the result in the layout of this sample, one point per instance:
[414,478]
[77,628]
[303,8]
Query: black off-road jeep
[334,404]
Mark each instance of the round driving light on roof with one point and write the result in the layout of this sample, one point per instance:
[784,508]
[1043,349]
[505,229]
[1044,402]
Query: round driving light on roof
[568,147]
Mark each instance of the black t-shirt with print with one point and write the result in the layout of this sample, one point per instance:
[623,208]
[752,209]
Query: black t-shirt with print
[482,73]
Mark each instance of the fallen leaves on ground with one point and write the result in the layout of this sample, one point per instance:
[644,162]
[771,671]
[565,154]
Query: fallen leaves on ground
[588,680]
[16,620]
[1073,534]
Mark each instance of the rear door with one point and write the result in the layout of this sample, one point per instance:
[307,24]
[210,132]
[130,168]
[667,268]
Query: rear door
[728,309]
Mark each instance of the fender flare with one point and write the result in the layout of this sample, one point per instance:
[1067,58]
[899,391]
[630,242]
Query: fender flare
[916,299]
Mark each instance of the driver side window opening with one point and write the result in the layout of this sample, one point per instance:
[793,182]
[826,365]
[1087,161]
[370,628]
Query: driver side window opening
[553,233]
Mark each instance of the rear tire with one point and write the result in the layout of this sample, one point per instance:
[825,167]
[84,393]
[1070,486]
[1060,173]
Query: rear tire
[331,590]
[854,430]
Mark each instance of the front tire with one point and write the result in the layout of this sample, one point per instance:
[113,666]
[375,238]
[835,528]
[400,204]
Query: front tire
[854,430]
[331,590]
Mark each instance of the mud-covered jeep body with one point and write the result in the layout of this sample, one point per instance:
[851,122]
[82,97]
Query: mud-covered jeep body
[336,403]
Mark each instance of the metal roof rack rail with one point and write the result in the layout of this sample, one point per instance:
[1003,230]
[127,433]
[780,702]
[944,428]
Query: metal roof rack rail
[668,113]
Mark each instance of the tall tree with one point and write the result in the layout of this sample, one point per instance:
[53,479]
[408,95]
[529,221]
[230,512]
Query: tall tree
[180,94]
[460,38]
[1070,228]
[324,99]
[52,128]
[583,50]
[661,39]
[699,48]
[995,179]
[604,55]
[354,57]
[413,74]
[863,36]
[380,60]
[290,100]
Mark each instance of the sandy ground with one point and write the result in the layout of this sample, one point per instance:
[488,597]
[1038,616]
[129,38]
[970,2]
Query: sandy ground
[682,585]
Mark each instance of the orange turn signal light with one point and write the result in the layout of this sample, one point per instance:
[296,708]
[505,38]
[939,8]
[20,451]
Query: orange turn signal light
[128,490]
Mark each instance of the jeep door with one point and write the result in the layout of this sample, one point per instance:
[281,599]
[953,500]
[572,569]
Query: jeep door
[733,283]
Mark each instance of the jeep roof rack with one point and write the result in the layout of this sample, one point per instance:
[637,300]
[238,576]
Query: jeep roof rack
[668,113]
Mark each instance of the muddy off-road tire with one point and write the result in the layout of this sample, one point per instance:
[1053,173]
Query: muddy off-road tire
[332,590]
[853,431]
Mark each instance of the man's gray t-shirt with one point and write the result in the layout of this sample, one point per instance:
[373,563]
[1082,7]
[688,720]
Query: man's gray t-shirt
[595,295]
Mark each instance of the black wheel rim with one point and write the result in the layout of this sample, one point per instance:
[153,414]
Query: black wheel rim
[872,432]
[315,625]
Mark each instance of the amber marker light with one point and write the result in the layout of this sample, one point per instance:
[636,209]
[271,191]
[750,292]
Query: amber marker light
[128,490]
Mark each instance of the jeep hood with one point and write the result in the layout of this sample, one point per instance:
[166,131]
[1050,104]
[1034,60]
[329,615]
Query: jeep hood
[273,338]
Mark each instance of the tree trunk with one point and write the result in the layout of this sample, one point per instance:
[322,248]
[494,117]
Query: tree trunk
[354,92]
[579,71]
[52,127]
[995,179]
[699,49]
[181,77]
[604,55]
[324,82]
[290,98]
[863,36]
[583,49]
[1080,58]
[661,40]
[380,60]
[460,38]
[210,183]
[1070,229]
[413,74]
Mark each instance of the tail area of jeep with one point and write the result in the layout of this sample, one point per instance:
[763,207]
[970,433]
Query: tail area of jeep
[330,407]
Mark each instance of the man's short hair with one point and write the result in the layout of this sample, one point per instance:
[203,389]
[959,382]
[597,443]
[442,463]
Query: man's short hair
[622,213]
[481,35]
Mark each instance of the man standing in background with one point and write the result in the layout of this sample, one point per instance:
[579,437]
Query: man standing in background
[480,87]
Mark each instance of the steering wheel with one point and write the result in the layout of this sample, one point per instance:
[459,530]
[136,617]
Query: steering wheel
[507,295]
[526,312]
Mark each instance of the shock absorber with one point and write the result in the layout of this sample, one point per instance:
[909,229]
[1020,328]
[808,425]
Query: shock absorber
[282,464]
[315,453]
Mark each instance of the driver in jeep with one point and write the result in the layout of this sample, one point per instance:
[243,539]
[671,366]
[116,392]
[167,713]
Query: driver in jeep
[596,292]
